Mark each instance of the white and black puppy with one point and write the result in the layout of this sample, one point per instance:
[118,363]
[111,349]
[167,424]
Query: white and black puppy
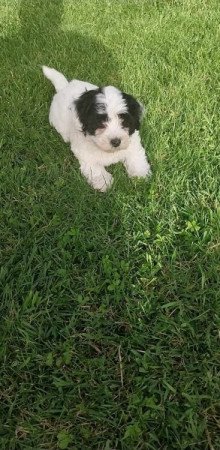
[101,125]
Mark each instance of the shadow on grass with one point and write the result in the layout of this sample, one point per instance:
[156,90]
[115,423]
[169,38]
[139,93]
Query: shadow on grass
[41,40]
[81,56]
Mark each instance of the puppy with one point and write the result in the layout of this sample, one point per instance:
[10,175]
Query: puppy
[101,125]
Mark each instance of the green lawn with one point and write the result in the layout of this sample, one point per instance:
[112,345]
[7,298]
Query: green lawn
[110,303]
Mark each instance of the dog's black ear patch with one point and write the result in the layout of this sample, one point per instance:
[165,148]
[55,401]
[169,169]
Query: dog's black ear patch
[132,118]
[86,108]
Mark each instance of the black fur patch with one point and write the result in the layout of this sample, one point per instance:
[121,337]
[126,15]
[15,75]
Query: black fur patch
[132,118]
[86,107]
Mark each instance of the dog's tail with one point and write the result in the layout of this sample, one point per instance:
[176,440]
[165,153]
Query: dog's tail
[57,78]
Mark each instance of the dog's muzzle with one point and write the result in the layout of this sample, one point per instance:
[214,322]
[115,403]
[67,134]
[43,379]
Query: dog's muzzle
[115,142]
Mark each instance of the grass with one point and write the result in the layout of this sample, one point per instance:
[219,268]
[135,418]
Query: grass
[110,303]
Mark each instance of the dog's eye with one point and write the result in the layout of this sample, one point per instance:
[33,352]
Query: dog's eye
[102,126]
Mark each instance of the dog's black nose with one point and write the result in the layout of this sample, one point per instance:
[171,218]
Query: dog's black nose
[115,142]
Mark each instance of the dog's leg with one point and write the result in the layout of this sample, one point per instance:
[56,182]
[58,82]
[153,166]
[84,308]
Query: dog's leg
[97,176]
[136,162]
[137,165]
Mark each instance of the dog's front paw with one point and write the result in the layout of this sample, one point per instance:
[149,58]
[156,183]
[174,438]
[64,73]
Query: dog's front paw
[97,177]
[103,182]
[141,171]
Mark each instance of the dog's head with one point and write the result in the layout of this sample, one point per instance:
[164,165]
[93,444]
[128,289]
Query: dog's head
[108,117]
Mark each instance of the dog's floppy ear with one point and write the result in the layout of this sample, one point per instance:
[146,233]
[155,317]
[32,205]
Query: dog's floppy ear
[135,108]
[91,113]
[85,103]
